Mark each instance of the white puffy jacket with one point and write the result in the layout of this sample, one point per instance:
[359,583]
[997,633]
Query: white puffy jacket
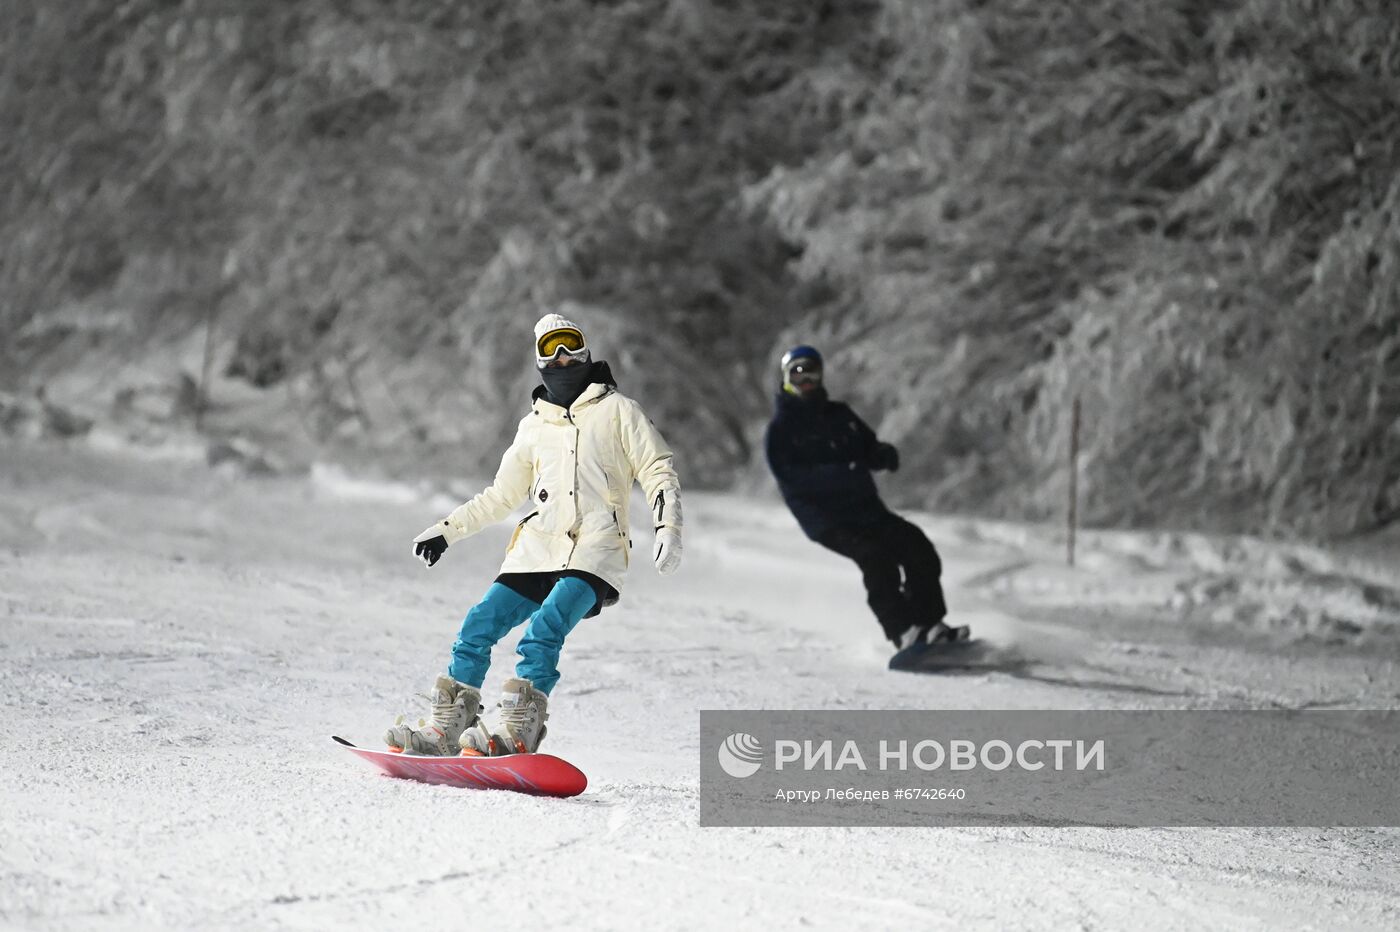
[577,466]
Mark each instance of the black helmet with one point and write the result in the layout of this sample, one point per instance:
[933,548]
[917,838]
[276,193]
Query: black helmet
[801,370]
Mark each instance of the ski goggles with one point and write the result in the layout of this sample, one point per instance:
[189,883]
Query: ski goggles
[804,372]
[565,340]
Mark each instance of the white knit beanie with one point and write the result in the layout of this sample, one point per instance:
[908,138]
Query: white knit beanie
[554,322]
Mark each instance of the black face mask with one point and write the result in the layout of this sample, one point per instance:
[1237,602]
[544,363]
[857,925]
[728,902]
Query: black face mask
[566,383]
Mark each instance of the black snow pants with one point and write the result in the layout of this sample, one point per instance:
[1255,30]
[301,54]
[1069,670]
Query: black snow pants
[901,570]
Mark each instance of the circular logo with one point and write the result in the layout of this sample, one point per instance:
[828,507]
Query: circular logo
[740,755]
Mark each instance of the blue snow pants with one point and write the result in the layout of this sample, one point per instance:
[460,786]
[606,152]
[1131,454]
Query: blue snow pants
[501,609]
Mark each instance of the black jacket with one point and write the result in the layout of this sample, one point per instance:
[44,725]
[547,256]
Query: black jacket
[819,451]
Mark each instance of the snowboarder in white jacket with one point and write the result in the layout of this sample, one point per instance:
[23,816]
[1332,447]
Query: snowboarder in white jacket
[575,456]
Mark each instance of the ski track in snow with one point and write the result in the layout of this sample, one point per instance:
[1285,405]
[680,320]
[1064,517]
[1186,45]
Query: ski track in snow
[178,646]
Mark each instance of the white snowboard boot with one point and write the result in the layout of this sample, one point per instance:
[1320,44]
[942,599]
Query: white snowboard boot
[521,728]
[456,707]
[936,633]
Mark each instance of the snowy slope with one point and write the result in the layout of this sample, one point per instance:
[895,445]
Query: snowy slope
[176,647]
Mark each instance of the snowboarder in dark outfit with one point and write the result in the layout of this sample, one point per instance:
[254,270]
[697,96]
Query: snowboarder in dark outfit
[822,455]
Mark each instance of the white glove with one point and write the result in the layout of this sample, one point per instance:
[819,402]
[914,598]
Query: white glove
[429,545]
[668,550]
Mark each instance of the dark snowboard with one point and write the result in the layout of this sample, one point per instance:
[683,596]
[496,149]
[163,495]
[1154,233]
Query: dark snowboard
[949,655]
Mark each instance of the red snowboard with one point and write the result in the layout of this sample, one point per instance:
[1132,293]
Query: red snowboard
[535,774]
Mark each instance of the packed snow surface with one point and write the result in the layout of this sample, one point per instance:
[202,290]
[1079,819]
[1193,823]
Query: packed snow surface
[178,644]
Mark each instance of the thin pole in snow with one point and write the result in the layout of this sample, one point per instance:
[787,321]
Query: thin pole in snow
[201,398]
[1073,516]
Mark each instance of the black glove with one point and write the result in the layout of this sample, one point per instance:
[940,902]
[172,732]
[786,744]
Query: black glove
[884,456]
[430,550]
